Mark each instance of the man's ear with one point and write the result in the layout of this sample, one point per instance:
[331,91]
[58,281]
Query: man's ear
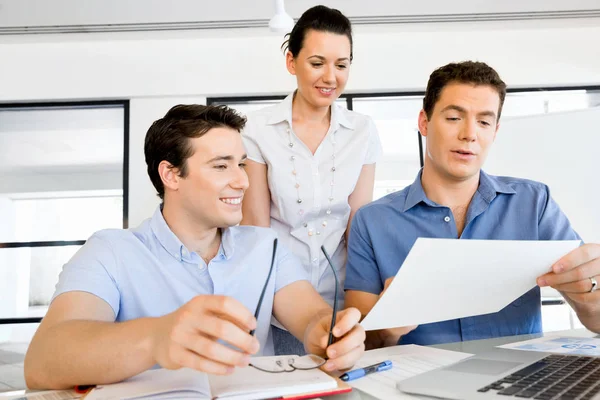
[423,122]
[169,175]
[290,63]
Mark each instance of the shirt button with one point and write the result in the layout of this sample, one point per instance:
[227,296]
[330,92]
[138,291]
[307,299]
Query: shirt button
[447,218]
[315,260]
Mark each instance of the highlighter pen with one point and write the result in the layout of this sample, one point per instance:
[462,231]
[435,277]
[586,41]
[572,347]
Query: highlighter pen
[360,372]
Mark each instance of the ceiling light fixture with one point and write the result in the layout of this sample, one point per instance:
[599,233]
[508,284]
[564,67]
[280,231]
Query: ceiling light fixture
[281,21]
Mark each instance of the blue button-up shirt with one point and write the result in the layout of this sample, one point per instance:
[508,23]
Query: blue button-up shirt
[148,272]
[502,208]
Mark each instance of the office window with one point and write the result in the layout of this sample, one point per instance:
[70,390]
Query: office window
[396,121]
[61,179]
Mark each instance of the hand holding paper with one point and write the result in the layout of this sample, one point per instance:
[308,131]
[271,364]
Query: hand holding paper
[444,279]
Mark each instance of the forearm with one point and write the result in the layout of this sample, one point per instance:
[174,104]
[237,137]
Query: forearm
[79,352]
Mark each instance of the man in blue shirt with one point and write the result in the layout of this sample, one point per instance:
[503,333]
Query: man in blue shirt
[452,197]
[180,290]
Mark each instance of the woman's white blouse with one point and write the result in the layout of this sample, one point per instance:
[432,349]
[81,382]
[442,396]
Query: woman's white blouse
[303,227]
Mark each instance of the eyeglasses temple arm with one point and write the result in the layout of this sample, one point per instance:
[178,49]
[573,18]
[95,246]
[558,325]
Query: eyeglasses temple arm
[334,315]
[262,294]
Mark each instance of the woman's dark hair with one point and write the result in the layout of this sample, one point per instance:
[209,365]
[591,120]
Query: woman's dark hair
[318,18]
[168,138]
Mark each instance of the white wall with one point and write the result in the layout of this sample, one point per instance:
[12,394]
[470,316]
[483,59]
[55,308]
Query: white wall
[159,69]
[143,112]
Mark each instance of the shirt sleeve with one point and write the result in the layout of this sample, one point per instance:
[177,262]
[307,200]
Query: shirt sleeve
[375,149]
[362,271]
[249,137]
[91,270]
[553,223]
[289,269]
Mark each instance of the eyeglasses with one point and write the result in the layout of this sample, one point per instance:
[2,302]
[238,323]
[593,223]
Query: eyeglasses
[292,363]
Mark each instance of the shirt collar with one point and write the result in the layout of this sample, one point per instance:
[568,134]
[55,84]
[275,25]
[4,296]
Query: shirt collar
[489,186]
[171,243]
[283,112]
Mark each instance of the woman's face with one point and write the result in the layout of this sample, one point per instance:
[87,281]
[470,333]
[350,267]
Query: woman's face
[321,67]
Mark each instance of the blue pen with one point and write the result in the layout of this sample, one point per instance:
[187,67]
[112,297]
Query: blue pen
[360,372]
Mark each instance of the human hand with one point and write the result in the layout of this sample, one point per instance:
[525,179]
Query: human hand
[350,343]
[573,275]
[188,336]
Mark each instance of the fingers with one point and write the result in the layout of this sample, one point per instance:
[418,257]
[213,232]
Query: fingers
[577,257]
[345,361]
[215,351]
[583,286]
[353,339]
[346,320]
[228,332]
[227,307]
[189,359]
[581,273]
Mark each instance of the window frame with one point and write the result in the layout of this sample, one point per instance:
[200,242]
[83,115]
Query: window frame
[61,243]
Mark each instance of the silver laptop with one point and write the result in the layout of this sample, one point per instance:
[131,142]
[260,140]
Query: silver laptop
[503,373]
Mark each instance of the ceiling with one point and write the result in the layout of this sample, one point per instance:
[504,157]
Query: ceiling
[66,16]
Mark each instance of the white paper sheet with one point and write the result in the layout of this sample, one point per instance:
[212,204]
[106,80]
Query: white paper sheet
[559,344]
[407,361]
[443,279]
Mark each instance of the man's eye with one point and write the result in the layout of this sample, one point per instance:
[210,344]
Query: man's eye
[242,165]
[221,166]
[452,118]
[485,123]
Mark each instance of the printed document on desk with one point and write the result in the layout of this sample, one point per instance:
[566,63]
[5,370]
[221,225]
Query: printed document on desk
[408,361]
[584,346]
[443,279]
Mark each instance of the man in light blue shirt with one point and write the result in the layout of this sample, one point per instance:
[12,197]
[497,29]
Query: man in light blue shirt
[180,290]
[452,197]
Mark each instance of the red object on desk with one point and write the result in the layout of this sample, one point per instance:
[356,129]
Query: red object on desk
[83,389]
[342,388]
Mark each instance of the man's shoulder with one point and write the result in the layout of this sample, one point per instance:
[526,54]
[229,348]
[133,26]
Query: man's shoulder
[522,185]
[382,209]
[390,202]
[115,240]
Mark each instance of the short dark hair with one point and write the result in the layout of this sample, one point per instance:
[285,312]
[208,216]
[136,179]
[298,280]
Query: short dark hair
[168,139]
[471,72]
[319,18]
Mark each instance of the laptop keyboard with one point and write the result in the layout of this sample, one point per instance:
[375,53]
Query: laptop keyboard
[553,377]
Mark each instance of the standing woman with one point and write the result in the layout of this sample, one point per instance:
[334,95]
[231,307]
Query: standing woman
[311,162]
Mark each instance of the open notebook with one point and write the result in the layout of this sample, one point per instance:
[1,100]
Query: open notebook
[244,384]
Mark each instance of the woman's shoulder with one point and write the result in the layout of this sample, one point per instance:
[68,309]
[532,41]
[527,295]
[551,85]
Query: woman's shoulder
[355,120]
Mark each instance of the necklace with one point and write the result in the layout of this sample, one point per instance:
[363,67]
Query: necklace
[311,229]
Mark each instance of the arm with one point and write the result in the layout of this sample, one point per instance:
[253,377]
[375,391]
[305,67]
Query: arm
[307,316]
[78,341]
[256,207]
[362,193]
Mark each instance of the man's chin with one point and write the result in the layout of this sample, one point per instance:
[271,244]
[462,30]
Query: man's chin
[229,222]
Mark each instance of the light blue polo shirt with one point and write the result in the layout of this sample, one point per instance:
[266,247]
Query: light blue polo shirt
[503,208]
[148,272]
